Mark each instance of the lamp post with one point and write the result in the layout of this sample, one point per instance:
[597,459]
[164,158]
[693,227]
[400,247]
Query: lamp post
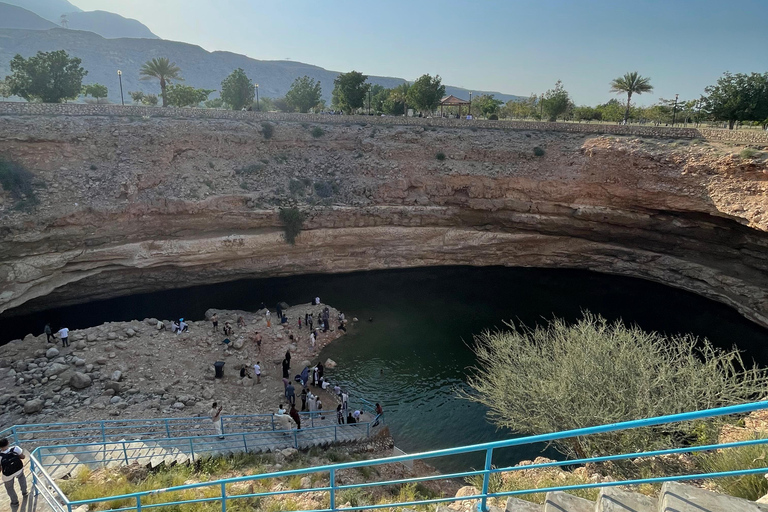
[257,98]
[541,107]
[674,110]
[120,77]
[470,103]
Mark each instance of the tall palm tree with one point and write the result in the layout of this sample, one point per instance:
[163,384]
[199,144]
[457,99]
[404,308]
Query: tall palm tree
[631,83]
[162,69]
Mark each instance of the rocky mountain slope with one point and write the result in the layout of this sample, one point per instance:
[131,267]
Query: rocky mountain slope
[132,204]
[199,68]
[48,9]
[12,16]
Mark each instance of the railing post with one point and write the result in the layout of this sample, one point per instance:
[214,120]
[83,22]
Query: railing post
[15,436]
[296,439]
[333,489]
[223,497]
[191,450]
[245,444]
[221,422]
[103,433]
[273,421]
[335,433]
[368,429]
[167,429]
[34,476]
[483,505]
[138,503]
[125,453]
[312,420]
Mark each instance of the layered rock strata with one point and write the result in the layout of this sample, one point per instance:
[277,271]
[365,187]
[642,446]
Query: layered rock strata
[136,205]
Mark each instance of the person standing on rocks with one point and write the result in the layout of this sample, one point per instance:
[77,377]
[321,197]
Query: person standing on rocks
[279,310]
[267,315]
[64,335]
[303,399]
[215,415]
[290,393]
[215,322]
[257,371]
[288,357]
[339,415]
[49,333]
[12,468]
[286,368]
[257,339]
[294,414]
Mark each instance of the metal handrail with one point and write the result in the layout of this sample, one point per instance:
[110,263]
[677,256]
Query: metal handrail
[488,470]
[36,465]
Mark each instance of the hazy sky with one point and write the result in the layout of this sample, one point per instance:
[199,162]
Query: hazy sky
[511,46]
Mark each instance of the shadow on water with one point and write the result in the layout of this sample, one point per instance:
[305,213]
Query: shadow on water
[414,354]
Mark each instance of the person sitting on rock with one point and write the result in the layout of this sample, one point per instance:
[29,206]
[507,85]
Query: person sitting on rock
[244,372]
[228,329]
[241,321]
[175,326]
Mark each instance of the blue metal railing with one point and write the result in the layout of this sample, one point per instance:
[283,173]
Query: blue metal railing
[153,499]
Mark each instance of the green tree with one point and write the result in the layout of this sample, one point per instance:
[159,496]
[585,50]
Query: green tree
[426,92]
[5,89]
[137,96]
[178,95]
[563,376]
[585,113]
[214,103]
[631,83]
[349,91]
[486,104]
[237,90]
[304,94]
[378,94]
[150,99]
[162,69]
[50,77]
[521,109]
[281,104]
[612,111]
[556,102]
[738,97]
[397,102]
[97,91]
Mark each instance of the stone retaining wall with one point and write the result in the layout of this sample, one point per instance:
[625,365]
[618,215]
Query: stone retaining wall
[80,109]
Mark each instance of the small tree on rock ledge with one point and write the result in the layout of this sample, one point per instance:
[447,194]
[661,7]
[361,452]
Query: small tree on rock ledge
[292,219]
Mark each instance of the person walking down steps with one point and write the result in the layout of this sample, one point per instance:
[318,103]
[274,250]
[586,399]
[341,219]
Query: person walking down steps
[215,415]
[12,469]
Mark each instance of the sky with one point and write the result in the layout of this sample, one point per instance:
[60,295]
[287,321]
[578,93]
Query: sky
[517,47]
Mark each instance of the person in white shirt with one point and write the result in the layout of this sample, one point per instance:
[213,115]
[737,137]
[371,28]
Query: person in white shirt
[215,414]
[12,463]
[64,335]
[257,371]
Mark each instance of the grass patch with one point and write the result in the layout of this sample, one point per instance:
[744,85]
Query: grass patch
[293,220]
[267,130]
[317,132]
[748,487]
[440,156]
[17,180]
[518,481]
[538,151]
[749,153]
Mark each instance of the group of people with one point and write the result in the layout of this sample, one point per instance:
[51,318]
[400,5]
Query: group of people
[62,333]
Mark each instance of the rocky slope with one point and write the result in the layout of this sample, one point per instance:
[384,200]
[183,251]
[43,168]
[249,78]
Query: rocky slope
[135,204]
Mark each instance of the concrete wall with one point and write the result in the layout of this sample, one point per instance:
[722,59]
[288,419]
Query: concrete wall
[79,109]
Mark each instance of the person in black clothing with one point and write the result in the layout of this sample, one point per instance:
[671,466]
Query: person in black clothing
[279,309]
[288,357]
[294,414]
[350,419]
[304,399]
[320,372]
[339,415]
[286,369]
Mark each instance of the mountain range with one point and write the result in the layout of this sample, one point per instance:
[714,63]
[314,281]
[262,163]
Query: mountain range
[25,32]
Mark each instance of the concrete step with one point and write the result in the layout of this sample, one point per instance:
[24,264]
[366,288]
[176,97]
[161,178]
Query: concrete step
[677,497]
[613,499]
[518,505]
[563,502]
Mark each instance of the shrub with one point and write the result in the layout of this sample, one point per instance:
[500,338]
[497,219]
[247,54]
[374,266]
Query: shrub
[292,219]
[325,189]
[17,180]
[440,155]
[749,487]
[546,379]
[93,167]
[317,132]
[296,187]
[493,117]
[538,151]
[267,130]
[251,169]
[749,153]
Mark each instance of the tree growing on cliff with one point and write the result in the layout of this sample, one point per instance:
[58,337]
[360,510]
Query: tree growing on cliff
[237,90]
[162,69]
[426,92]
[50,77]
[304,94]
[738,97]
[562,376]
[97,91]
[631,83]
[556,102]
[349,91]
[178,95]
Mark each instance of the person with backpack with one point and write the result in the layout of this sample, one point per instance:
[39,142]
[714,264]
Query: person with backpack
[12,468]
[49,333]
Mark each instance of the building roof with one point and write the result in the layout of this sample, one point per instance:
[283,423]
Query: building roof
[453,100]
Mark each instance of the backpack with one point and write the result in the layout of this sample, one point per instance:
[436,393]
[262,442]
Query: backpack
[11,463]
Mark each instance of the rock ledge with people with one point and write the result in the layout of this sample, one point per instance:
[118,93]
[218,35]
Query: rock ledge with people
[165,368]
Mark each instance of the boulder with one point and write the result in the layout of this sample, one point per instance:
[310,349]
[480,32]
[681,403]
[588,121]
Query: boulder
[130,332]
[33,406]
[116,375]
[329,363]
[112,335]
[52,352]
[5,399]
[92,337]
[55,369]
[79,361]
[80,380]
[238,343]
[306,482]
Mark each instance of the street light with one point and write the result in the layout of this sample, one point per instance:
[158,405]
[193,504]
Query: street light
[257,98]
[120,77]
[674,110]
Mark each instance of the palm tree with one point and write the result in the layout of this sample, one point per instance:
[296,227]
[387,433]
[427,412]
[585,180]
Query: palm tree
[631,83]
[162,69]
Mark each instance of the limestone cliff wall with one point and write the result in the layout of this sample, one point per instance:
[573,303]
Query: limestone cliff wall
[131,205]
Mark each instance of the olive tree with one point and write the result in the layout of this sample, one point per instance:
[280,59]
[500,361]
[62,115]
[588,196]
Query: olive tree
[566,376]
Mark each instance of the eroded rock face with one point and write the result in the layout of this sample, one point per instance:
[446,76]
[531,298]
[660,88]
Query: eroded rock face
[135,206]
